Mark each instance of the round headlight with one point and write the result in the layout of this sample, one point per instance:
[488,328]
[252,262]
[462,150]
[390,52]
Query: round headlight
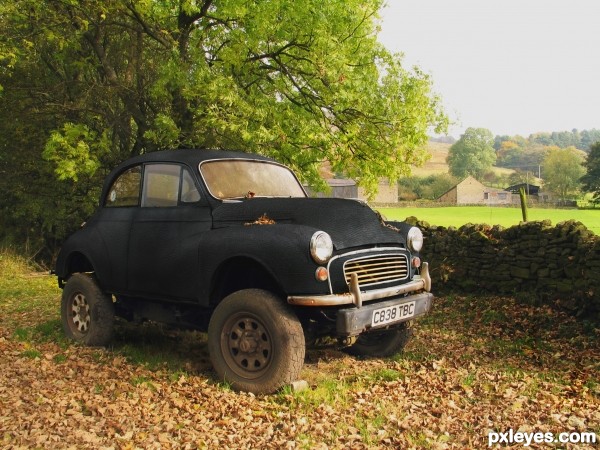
[321,247]
[414,239]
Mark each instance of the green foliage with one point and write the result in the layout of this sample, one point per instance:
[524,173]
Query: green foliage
[591,180]
[473,154]
[327,392]
[583,140]
[31,354]
[526,155]
[75,151]
[563,139]
[30,299]
[562,170]
[522,157]
[91,83]
[430,188]
[498,179]
[165,133]
[524,176]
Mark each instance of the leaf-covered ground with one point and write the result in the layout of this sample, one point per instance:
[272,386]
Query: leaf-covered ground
[475,365]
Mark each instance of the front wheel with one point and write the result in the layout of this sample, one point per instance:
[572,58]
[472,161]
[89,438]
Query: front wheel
[87,313]
[382,343]
[256,342]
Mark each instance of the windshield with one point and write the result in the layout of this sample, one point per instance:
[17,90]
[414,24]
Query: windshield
[243,178]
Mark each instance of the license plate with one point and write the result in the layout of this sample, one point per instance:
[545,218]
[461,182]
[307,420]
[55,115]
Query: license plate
[392,314]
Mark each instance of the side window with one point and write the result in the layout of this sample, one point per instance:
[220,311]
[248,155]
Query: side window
[125,191]
[161,185]
[189,193]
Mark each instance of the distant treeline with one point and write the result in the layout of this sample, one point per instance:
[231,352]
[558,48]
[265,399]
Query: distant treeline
[562,139]
[521,153]
[581,140]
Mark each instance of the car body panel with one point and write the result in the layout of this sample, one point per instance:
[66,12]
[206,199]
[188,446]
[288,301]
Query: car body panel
[176,253]
[349,223]
[164,251]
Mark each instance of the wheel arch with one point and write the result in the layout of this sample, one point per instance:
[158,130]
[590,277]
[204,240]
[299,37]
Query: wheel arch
[242,272]
[71,263]
[78,262]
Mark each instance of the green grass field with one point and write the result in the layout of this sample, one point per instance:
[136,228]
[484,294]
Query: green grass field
[460,215]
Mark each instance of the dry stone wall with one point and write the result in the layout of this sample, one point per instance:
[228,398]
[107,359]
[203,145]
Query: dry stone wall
[555,264]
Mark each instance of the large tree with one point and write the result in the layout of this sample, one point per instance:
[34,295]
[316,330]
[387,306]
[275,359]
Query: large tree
[473,154]
[562,170]
[91,83]
[591,180]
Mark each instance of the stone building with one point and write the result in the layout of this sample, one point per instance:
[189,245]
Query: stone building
[471,192]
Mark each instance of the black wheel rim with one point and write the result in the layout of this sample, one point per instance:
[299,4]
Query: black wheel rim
[246,345]
[78,314]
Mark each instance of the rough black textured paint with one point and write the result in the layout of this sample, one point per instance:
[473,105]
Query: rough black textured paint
[161,248]
[348,222]
[178,253]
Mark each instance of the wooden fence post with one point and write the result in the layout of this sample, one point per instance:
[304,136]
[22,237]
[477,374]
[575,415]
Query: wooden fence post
[523,203]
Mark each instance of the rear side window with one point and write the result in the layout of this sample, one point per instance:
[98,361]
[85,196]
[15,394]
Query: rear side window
[161,185]
[125,191]
[167,185]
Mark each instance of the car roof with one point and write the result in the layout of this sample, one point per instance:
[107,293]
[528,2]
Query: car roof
[190,157]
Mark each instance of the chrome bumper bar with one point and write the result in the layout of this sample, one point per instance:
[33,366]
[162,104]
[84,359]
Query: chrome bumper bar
[356,297]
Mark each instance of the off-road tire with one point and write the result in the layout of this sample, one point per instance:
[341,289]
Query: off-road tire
[256,342]
[382,343]
[87,313]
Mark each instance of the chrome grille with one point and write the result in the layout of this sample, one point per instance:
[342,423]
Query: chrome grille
[377,269]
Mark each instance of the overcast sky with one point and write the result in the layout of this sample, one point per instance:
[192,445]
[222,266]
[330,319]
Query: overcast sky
[512,66]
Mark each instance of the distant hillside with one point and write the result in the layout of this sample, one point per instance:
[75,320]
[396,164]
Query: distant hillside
[437,163]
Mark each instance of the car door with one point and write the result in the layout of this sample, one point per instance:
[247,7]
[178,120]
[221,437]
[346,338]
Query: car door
[163,243]
[114,225]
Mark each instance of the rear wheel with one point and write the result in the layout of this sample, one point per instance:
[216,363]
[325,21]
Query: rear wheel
[255,341]
[87,313]
[382,343]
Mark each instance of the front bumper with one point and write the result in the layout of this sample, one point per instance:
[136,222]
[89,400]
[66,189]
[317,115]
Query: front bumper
[358,318]
[354,321]
[357,297]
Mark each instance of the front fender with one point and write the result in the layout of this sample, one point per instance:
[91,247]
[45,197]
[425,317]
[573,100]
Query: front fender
[282,249]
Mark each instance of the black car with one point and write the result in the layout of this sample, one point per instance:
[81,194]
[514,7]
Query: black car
[229,243]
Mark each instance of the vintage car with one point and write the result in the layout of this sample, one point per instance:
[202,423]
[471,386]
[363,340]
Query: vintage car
[230,243]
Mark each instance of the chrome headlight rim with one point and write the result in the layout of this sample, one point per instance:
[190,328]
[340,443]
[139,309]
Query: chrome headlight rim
[414,239]
[321,247]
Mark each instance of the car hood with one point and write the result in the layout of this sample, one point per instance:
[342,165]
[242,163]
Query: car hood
[348,222]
